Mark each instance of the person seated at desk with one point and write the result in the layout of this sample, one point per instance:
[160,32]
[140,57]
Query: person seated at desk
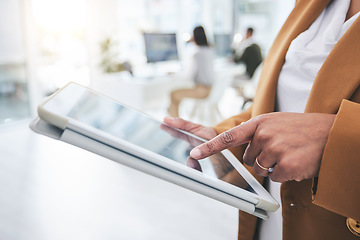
[202,73]
[248,53]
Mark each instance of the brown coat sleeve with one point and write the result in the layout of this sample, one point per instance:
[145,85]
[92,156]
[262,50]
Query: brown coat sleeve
[339,178]
[233,121]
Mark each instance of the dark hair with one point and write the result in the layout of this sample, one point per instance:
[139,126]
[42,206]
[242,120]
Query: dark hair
[200,36]
[250,30]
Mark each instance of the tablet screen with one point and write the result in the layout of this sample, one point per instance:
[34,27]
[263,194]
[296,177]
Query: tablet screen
[139,129]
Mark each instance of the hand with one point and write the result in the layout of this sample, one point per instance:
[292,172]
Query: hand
[290,143]
[196,129]
[223,169]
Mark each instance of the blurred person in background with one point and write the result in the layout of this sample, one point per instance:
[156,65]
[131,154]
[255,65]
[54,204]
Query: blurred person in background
[201,73]
[249,53]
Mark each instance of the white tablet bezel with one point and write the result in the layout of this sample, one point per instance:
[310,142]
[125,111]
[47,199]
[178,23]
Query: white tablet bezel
[89,144]
[261,200]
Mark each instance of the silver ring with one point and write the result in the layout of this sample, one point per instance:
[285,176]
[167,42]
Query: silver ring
[270,169]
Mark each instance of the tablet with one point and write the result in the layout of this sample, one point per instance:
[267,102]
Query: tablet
[85,113]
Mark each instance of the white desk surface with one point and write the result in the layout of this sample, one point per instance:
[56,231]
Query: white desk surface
[52,190]
[140,92]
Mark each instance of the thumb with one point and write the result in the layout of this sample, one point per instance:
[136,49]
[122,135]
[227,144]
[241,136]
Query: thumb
[181,124]
[187,126]
[238,135]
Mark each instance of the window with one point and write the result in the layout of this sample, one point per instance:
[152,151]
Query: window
[61,42]
[14,96]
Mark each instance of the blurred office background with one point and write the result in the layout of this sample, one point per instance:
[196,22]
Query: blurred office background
[44,44]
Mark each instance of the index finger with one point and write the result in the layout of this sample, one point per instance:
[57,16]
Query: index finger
[238,135]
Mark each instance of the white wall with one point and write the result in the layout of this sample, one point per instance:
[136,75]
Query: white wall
[11,40]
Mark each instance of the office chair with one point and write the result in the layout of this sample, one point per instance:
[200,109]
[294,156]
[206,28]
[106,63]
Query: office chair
[248,89]
[206,111]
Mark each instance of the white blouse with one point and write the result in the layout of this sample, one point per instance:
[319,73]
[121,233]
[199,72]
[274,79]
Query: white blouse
[303,61]
[202,66]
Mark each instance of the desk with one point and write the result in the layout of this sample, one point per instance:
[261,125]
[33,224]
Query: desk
[140,93]
[52,190]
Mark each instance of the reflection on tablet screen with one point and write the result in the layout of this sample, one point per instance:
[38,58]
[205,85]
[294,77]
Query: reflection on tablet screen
[134,127]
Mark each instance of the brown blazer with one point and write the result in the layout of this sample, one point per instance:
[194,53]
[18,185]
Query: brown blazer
[316,208]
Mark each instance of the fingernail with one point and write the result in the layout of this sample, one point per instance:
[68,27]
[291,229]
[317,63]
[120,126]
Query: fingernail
[195,153]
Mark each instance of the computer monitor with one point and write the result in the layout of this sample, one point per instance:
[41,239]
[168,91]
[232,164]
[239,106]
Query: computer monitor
[223,44]
[160,47]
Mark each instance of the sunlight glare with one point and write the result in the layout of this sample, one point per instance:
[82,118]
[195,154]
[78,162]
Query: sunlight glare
[60,15]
